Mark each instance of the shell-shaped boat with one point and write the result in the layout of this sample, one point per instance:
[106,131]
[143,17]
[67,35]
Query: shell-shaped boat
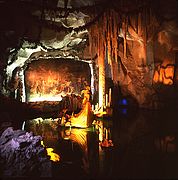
[83,119]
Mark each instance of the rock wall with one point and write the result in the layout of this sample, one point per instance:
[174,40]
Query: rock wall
[143,34]
[148,71]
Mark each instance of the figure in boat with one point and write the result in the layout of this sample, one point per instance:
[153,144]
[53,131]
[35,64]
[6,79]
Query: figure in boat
[84,118]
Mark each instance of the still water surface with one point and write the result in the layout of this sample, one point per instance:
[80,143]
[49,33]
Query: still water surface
[132,144]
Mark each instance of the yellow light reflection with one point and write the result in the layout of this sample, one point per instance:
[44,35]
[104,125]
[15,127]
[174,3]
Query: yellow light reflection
[100,112]
[77,135]
[53,156]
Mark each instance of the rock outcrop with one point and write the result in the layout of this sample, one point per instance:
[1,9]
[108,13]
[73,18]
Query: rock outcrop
[22,155]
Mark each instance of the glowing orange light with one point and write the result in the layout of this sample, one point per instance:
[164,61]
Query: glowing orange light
[164,73]
[156,77]
[46,85]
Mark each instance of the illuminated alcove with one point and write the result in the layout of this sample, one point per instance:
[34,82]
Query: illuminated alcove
[49,80]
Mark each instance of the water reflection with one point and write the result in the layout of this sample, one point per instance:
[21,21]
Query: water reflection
[166,143]
[53,156]
[79,137]
[117,147]
[77,147]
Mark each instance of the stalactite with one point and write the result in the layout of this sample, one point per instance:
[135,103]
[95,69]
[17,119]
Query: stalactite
[145,31]
[108,41]
[139,24]
[125,27]
[115,47]
[91,42]
[101,63]
[104,40]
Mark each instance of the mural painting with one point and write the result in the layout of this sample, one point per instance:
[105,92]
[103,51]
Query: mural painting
[46,81]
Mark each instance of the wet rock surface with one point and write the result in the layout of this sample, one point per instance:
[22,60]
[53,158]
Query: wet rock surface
[22,155]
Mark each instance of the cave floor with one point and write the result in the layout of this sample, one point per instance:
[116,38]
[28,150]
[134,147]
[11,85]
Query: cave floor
[145,145]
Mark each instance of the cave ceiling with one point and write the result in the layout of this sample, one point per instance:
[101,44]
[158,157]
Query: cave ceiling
[53,29]
[56,28]
[47,28]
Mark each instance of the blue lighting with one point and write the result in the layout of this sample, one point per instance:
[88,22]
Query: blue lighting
[124,111]
[124,102]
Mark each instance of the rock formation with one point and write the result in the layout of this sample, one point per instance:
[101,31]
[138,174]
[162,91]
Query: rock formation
[22,155]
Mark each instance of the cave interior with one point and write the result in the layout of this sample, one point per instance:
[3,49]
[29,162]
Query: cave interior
[107,65]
